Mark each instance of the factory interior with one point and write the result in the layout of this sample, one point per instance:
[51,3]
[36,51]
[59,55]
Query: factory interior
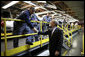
[23,22]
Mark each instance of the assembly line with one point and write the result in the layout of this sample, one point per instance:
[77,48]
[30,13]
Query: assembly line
[45,33]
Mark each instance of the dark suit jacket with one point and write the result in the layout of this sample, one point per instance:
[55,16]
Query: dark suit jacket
[55,40]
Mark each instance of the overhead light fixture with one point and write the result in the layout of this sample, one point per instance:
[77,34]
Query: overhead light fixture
[42,1]
[10,4]
[29,2]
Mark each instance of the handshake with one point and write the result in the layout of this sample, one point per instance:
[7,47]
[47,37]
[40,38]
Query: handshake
[35,30]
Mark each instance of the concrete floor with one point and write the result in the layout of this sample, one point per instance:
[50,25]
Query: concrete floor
[76,45]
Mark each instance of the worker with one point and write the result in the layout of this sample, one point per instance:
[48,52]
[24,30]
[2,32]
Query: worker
[2,26]
[72,25]
[47,19]
[20,27]
[36,25]
[76,24]
[55,38]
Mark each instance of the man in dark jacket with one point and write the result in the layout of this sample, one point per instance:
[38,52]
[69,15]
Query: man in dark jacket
[55,39]
[21,27]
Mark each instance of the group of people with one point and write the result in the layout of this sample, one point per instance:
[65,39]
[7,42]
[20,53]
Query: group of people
[51,29]
[55,34]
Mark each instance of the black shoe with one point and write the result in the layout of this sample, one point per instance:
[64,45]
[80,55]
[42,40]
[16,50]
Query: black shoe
[29,43]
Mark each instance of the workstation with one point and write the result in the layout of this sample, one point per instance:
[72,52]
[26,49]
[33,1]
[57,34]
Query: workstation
[23,24]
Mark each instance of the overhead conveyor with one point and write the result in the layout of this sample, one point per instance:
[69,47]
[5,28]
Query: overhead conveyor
[42,42]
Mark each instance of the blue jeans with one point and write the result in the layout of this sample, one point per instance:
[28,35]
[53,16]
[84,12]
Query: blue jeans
[20,29]
[31,31]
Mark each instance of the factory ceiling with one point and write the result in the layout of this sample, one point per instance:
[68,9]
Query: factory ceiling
[20,6]
[40,7]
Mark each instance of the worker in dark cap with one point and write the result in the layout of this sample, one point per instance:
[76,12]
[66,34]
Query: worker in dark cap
[21,27]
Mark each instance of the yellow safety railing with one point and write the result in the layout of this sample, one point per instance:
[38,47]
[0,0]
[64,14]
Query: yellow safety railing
[8,34]
[82,45]
[5,34]
[66,32]
[5,37]
[41,41]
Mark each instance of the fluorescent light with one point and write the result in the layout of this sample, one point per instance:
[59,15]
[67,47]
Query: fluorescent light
[29,2]
[42,1]
[10,4]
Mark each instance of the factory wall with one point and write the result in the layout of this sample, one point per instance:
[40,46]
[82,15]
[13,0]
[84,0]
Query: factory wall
[77,7]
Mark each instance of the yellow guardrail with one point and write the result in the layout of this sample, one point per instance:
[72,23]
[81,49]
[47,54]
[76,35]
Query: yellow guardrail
[8,34]
[5,35]
[18,36]
[9,19]
[6,52]
[23,48]
[83,45]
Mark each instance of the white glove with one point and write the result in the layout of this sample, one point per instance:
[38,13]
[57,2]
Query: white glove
[35,30]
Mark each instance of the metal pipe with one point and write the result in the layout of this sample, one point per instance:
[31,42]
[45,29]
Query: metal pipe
[68,35]
[5,53]
[41,31]
[19,36]
[7,19]
[71,35]
[83,43]
[2,34]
